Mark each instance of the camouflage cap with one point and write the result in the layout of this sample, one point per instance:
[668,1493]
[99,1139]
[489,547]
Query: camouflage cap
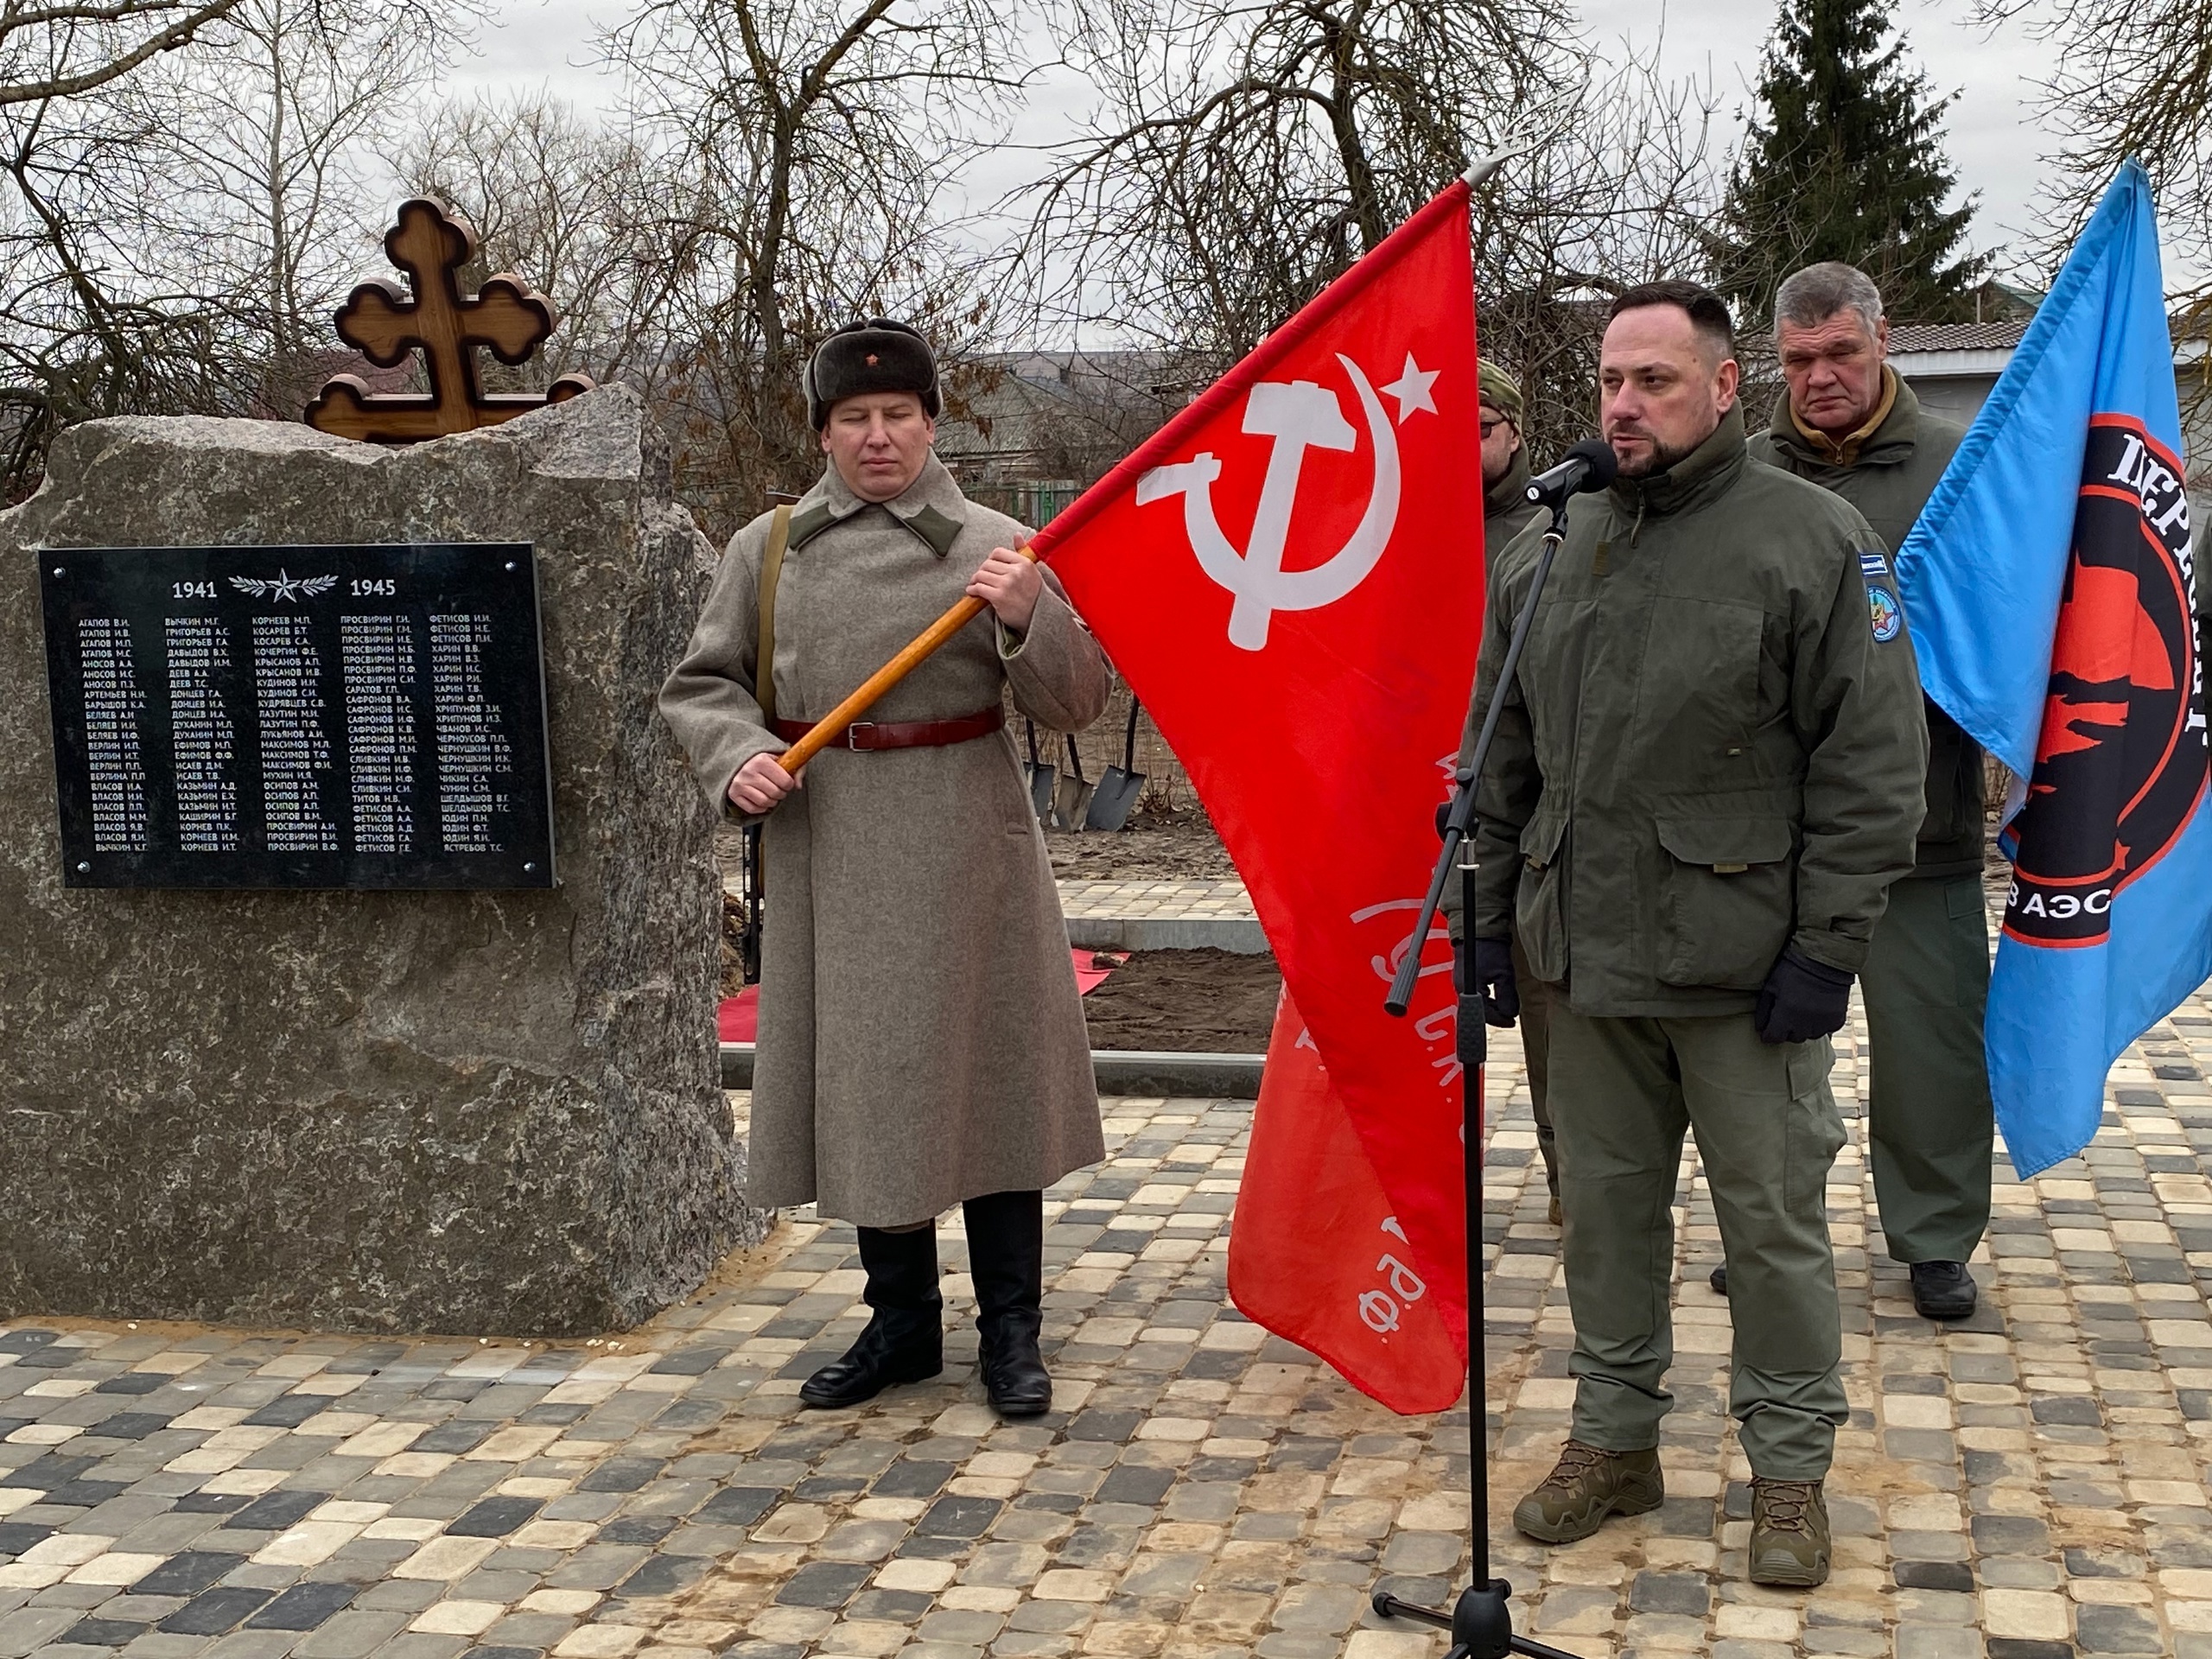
[1500,390]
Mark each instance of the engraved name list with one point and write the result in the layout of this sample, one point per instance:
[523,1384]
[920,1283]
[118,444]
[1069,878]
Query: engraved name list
[367,716]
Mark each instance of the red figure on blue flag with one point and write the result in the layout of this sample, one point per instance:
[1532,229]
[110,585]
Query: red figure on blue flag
[2054,607]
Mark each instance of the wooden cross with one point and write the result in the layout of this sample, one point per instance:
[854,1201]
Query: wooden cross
[506,318]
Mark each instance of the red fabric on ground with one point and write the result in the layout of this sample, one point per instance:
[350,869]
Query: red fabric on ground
[1088,978]
[738,1018]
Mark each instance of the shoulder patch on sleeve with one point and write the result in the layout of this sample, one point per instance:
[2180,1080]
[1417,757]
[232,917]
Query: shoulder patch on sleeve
[1886,615]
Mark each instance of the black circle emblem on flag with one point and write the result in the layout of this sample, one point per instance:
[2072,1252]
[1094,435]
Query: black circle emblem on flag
[2121,761]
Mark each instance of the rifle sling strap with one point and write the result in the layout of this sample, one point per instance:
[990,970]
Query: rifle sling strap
[772,571]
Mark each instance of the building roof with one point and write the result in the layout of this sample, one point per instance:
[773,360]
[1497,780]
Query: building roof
[1954,336]
[1069,413]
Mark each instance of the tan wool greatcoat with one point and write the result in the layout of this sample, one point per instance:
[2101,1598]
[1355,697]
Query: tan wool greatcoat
[921,1040]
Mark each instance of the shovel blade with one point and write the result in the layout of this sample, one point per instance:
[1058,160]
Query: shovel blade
[1070,799]
[1040,779]
[1114,799]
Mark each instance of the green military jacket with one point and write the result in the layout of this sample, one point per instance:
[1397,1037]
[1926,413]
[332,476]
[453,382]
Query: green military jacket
[1506,510]
[1707,753]
[1888,480]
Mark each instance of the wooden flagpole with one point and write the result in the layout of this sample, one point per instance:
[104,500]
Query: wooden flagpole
[910,658]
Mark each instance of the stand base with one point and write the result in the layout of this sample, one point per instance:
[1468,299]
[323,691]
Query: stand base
[1481,1624]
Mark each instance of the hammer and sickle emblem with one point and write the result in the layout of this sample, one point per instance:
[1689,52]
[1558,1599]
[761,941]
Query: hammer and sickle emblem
[1298,416]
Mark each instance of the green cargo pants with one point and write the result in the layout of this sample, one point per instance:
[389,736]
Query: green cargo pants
[1929,1124]
[1622,1092]
[1535,1042]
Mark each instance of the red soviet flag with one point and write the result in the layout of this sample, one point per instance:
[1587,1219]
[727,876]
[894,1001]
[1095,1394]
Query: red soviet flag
[1289,574]
[1318,1254]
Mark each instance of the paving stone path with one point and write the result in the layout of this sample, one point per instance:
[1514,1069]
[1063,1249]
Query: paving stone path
[1142,900]
[2030,1485]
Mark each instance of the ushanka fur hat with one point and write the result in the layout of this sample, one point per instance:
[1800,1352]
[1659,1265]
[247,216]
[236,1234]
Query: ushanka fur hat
[878,355]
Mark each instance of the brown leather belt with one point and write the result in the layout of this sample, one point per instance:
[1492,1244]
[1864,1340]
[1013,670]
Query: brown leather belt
[903,734]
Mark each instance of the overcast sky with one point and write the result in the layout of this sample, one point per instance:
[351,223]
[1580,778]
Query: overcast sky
[1992,136]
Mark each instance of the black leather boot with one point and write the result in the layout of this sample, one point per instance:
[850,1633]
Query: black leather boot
[1006,1254]
[1943,1290]
[905,1340]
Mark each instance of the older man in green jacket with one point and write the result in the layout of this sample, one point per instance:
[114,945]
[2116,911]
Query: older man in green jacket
[1707,772]
[1849,424]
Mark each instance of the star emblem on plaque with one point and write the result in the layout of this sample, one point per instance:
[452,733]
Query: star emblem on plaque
[386,322]
[283,586]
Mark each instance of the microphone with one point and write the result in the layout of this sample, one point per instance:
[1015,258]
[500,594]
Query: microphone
[1590,466]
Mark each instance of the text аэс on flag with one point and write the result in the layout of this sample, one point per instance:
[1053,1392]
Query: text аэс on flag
[1289,575]
[2054,604]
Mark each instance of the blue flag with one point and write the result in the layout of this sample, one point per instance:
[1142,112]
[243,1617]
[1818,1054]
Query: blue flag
[2052,593]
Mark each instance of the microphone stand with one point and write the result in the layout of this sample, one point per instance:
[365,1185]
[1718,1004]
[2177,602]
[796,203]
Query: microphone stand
[1480,1622]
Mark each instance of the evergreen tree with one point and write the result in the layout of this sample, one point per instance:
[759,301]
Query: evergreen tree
[1846,162]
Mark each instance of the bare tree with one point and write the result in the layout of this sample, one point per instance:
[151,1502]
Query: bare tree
[808,146]
[1622,190]
[172,241]
[69,47]
[93,320]
[1245,153]
[84,335]
[578,210]
[271,170]
[85,329]
[2125,80]
[2131,81]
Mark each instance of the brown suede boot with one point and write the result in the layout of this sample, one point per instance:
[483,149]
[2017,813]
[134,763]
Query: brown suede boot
[1789,1534]
[1586,1486]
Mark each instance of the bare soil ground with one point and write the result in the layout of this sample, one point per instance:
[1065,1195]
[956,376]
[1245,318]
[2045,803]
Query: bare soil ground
[1185,1003]
[1176,843]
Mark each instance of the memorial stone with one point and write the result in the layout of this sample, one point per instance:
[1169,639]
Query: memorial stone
[357,1108]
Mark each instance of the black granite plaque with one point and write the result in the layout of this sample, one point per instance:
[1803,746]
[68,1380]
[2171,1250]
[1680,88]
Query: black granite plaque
[298,716]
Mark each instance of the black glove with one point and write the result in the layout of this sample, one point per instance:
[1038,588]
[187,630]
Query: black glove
[1493,977]
[1802,1000]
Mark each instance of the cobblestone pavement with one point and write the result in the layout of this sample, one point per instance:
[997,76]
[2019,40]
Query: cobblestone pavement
[2031,1484]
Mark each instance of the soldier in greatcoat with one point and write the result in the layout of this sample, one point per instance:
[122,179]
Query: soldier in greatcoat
[921,1043]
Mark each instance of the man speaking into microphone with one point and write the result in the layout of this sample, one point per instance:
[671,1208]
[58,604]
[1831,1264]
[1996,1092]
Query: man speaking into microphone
[1706,774]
